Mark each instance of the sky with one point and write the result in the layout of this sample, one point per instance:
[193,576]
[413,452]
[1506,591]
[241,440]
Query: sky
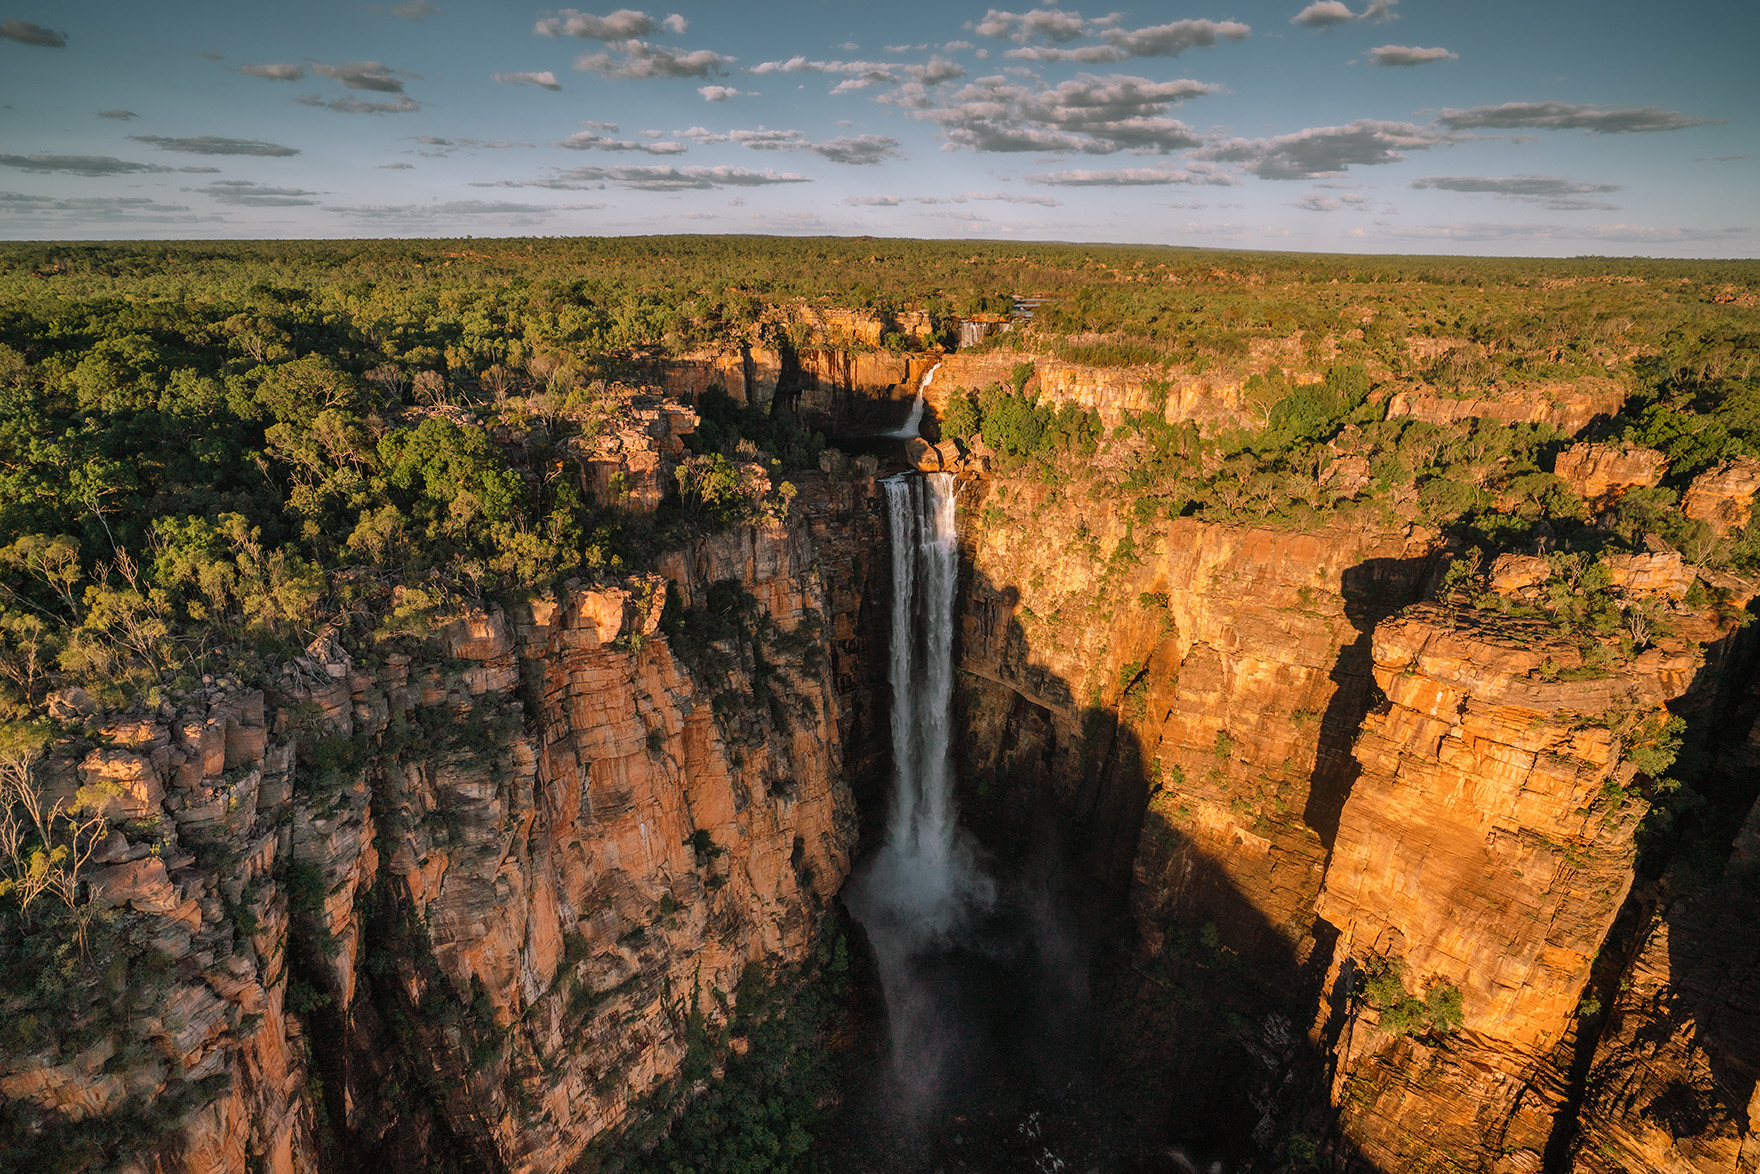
[1557,128]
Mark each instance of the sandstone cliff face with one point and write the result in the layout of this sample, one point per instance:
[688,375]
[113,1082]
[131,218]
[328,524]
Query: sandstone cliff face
[1601,472]
[458,901]
[1673,1084]
[1569,407]
[1486,849]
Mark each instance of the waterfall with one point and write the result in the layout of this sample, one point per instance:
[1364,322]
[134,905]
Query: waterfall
[914,894]
[913,423]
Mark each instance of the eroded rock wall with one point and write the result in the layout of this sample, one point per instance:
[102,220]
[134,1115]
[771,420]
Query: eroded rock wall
[454,901]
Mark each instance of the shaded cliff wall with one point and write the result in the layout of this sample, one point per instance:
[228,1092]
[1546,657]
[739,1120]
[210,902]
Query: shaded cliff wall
[453,902]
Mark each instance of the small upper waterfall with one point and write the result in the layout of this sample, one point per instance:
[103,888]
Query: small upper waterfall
[913,423]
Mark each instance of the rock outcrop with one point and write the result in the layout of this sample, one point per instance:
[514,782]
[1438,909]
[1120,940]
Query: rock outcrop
[468,891]
[1601,472]
[1482,857]
[1723,496]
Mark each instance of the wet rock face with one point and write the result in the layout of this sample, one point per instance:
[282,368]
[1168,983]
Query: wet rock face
[462,893]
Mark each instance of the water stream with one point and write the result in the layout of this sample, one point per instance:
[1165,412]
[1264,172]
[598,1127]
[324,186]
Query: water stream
[913,423]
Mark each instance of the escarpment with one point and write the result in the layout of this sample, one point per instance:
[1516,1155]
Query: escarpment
[1352,721]
[458,898]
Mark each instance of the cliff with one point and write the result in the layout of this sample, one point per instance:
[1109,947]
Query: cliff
[464,898]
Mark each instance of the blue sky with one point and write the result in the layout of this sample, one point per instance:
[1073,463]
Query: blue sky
[1556,128]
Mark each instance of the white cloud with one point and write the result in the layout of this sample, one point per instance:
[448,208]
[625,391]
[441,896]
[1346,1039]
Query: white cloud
[657,179]
[1166,40]
[284,72]
[621,25]
[642,59]
[1324,150]
[859,75]
[1326,13]
[345,105]
[545,80]
[1047,24]
[1087,115]
[363,75]
[1315,202]
[873,201]
[415,215]
[1409,55]
[1198,174]
[718,93]
[1595,120]
[588,140]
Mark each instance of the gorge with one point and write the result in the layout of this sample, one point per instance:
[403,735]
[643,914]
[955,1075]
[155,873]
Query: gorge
[1333,751]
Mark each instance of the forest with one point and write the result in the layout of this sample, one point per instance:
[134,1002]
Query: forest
[210,451]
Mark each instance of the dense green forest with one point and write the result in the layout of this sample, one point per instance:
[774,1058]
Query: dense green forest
[207,447]
[209,450]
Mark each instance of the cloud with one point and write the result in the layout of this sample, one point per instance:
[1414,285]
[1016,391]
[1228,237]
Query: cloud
[1087,115]
[418,214]
[1408,55]
[621,25]
[404,105]
[1165,40]
[657,179]
[275,73]
[588,140]
[198,171]
[1324,150]
[1315,202]
[118,115]
[718,93]
[89,165]
[26,33]
[1134,177]
[1549,191]
[363,75]
[641,59]
[1047,24]
[444,147]
[873,201]
[74,210]
[1326,13]
[859,75]
[857,150]
[1617,233]
[1012,198]
[676,24]
[413,10]
[1595,120]
[395,167]
[545,80]
[244,193]
[213,145]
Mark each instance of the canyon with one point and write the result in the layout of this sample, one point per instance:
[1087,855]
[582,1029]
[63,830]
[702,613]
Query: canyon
[1352,869]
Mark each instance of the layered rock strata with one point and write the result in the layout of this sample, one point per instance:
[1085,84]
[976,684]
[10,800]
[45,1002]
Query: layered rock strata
[466,894]
[1482,856]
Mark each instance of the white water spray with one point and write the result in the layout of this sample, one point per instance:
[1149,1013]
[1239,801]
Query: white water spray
[913,423]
